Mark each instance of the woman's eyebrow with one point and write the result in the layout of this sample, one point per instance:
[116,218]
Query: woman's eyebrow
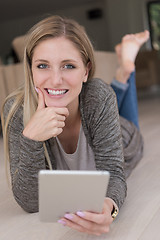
[69,60]
[63,61]
[41,60]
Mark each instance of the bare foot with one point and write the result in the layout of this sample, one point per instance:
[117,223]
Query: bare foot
[127,51]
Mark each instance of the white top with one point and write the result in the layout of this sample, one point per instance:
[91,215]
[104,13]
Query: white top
[81,159]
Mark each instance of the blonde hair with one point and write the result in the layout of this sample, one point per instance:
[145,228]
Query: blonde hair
[51,27]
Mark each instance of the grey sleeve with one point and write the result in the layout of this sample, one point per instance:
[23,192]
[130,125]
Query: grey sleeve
[105,137]
[109,150]
[26,159]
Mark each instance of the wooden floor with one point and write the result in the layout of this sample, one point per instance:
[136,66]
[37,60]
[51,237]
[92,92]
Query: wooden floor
[139,218]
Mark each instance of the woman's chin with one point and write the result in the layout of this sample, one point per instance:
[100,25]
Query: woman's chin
[55,104]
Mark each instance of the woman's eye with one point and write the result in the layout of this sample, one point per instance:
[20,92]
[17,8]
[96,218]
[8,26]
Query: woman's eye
[42,66]
[69,66]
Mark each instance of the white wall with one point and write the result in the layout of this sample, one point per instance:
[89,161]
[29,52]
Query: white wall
[125,16]
[117,15]
[94,28]
[119,18]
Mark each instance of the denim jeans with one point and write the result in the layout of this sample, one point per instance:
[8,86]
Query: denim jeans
[127,99]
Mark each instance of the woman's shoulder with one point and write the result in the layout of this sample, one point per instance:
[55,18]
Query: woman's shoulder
[9,102]
[97,86]
[12,104]
[97,99]
[96,90]
[97,83]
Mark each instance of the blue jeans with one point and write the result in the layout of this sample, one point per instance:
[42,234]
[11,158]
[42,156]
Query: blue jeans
[127,99]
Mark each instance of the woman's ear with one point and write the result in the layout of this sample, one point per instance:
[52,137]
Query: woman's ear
[88,68]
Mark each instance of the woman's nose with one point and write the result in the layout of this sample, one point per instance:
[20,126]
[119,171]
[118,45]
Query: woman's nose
[56,77]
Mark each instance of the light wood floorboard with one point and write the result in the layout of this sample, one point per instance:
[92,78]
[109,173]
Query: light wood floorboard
[139,218]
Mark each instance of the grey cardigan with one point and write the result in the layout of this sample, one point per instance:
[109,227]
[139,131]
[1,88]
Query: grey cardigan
[101,125]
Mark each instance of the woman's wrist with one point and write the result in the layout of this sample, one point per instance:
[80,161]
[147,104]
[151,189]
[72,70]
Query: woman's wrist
[113,207]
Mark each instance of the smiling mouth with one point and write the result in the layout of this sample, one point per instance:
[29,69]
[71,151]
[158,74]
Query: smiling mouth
[56,92]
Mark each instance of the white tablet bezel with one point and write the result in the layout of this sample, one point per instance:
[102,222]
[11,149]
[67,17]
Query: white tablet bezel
[62,191]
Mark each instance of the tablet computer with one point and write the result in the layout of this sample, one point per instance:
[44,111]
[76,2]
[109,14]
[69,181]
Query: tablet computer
[66,191]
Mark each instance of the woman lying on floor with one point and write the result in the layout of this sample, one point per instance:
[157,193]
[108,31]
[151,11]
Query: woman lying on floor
[62,106]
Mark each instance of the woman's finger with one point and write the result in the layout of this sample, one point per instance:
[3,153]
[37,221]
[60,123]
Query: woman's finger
[63,111]
[41,101]
[99,218]
[79,227]
[85,225]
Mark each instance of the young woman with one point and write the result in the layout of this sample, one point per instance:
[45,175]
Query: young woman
[62,113]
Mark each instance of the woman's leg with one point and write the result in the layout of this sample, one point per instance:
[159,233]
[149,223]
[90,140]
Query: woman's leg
[124,83]
[127,99]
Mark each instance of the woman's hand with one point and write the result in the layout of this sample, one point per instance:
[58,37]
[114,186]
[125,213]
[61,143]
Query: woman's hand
[91,223]
[47,122]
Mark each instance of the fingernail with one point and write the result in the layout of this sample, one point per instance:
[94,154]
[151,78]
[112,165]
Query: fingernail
[80,214]
[62,222]
[36,89]
[68,216]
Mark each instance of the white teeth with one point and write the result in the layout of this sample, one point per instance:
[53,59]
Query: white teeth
[56,92]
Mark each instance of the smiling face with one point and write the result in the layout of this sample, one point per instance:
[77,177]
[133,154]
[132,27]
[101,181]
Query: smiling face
[58,71]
